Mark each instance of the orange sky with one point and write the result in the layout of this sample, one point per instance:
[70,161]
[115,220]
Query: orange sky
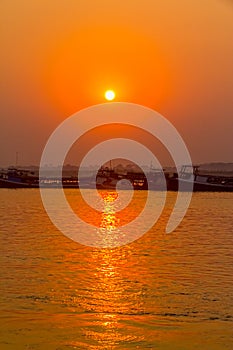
[60,56]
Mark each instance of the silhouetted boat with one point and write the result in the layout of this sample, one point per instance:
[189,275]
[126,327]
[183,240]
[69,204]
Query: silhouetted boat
[20,178]
[108,178]
[201,182]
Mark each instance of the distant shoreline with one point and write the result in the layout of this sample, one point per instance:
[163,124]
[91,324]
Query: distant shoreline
[216,168]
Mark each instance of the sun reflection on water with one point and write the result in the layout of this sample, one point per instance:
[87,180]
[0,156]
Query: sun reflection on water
[115,291]
[109,221]
[109,299]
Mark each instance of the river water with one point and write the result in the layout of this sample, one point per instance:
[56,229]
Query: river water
[163,291]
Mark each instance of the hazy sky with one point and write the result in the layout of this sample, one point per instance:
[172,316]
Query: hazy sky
[59,56]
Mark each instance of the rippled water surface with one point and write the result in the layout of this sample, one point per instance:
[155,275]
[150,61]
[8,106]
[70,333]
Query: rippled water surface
[163,291]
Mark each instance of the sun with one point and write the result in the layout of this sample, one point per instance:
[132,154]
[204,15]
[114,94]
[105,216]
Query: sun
[109,95]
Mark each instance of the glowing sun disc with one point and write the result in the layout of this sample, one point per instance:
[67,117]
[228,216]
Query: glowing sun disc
[109,95]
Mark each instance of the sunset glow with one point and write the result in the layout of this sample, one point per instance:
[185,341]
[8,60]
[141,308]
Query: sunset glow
[68,62]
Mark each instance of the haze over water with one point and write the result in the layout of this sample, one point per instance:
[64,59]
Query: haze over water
[163,291]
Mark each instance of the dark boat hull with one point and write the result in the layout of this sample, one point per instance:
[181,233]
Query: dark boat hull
[14,184]
[172,185]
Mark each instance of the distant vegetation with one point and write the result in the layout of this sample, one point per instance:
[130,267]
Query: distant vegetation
[124,167]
